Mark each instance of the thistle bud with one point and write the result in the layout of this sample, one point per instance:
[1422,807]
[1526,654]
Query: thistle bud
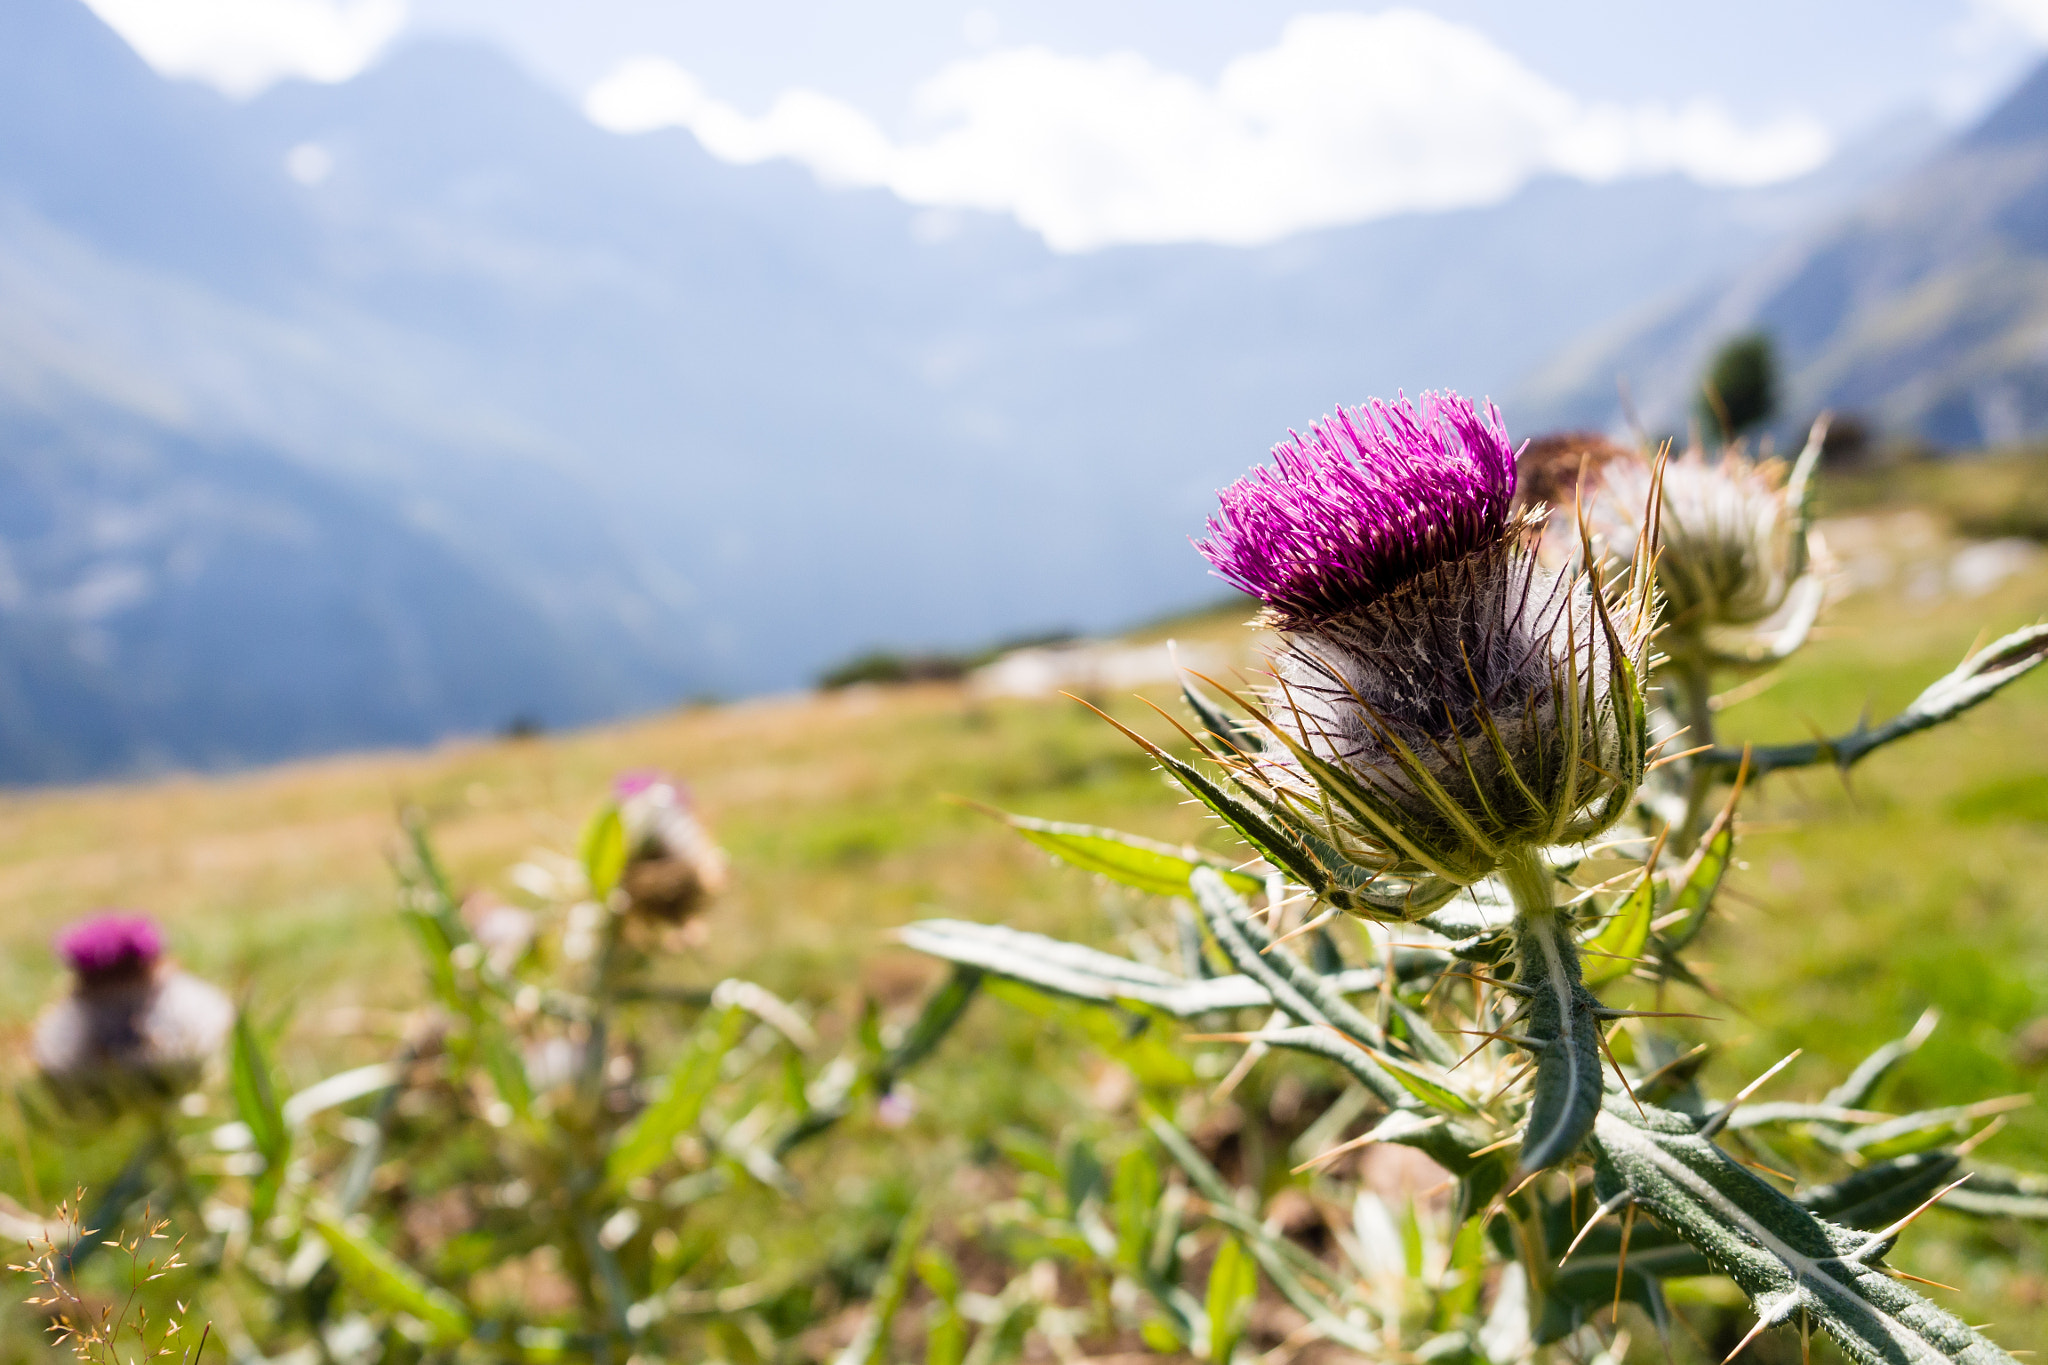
[672,865]
[1443,700]
[1733,538]
[135,1029]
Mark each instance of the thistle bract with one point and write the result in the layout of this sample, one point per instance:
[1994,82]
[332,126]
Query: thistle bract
[1733,536]
[135,1029]
[1441,698]
[672,864]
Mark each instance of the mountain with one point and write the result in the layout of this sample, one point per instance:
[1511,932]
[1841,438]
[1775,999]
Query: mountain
[1924,306]
[632,423]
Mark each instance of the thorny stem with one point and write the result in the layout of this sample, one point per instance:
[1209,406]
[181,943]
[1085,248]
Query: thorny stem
[600,1284]
[1529,881]
[1689,684]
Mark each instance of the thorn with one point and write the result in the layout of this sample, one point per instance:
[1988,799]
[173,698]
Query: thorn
[1675,1063]
[1897,1273]
[1878,1239]
[1305,927]
[1611,1206]
[1242,1068]
[1673,758]
[1602,1012]
[1628,1226]
[1727,1111]
[1352,1145]
[1743,1344]
[1533,1044]
[1601,1034]
[1923,1027]
[1980,1137]
[1510,1140]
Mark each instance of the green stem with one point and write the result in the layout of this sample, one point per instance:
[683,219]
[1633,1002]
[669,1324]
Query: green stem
[1530,882]
[1561,1023]
[1689,681]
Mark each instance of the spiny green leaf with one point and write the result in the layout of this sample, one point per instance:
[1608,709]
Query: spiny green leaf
[1995,1192]
[1862,1083]
[1698,881]
[646,1144]
[1883,1193]
[1612,952]
[381,1277]
[1150,866]
[1235,733]
[1789,1262]
[1568,1079]
[1920,1131]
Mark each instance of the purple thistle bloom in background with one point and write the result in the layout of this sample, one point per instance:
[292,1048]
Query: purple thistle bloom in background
[111,944]
[673,866]
[135,1029]
[1366,501]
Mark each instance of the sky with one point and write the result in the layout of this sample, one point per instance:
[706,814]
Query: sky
[1096,122]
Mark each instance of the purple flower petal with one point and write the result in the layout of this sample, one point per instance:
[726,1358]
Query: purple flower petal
[1367,500]
[110,942]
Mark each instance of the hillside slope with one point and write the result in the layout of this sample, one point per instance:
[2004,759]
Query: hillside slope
[832,806]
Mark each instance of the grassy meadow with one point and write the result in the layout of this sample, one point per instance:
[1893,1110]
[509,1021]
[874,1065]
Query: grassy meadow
[1923,880]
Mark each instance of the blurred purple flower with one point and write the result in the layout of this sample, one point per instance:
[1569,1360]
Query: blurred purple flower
[135,1029]
[1366,501]
[897,1108]
[112,943]
[673,866]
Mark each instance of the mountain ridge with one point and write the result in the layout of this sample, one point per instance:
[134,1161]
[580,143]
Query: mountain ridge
[1922,306]
[685,427]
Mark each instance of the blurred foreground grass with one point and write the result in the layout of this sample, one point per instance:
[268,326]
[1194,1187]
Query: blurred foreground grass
[1923,881]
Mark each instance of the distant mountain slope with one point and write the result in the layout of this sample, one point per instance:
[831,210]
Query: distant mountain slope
[667,425]
[166,604]
[1925,307]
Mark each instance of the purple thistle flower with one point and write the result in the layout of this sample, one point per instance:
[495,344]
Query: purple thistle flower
[111,944]
[1366,501]
[672,864]
[1444,701]
[135,1029]
[637,780]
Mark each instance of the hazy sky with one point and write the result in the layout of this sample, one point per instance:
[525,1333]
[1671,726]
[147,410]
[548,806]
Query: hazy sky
[1094,121]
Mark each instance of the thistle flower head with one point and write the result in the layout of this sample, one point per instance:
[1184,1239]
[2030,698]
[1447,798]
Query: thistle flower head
[1366,501]
[673,866]
[135,1029]
[111,944]
[1734,535]
[1442,699]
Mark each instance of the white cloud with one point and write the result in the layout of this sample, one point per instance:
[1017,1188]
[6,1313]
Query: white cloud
[242,46]
[1347,117]
[2029,16]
